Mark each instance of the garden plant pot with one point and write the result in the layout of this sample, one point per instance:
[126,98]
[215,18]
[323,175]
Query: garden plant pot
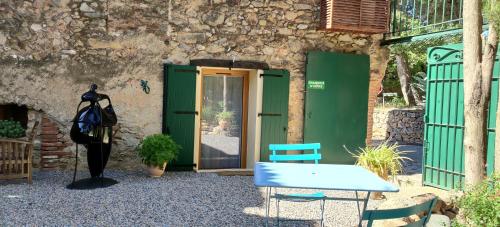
[377,196]
[223,124]
[155,171]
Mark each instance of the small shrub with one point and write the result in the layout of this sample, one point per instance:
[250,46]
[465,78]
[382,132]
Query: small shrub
[208,114]
[11,129]
[384,160]
[397,102]
[158,149]
[225,116]
[480,205]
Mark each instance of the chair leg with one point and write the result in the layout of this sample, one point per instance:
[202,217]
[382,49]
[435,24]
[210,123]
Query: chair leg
[268,203]
[30,174]
[322,204]
[278,212]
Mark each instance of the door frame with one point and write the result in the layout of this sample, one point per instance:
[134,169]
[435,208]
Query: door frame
[245,74]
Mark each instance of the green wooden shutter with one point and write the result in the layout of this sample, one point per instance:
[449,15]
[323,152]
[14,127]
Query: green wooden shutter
[274,115]
[179,111]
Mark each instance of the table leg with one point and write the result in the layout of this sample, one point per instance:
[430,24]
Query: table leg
[268,203]
[357,204]
[364,208]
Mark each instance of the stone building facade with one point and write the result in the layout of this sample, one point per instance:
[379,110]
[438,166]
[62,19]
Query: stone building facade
[51,50]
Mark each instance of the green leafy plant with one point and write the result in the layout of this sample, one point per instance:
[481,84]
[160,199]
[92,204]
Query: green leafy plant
[480,205]
[419,82]
[384,160]
[492,11]
[209,114]
[11,129]
[225,116]
[416,56]
[157,149]
[397,102]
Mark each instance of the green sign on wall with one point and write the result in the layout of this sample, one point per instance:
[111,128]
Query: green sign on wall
[316,84]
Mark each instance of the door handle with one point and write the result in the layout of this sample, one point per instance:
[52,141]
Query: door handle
[309,115]
[186,112]
[269,114]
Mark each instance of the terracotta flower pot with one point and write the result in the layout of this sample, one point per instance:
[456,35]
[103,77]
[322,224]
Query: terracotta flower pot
[223,124]
[155,171]
[377,196]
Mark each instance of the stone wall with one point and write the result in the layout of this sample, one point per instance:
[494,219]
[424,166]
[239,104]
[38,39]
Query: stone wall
[51,50]
[405,126]
[53,152]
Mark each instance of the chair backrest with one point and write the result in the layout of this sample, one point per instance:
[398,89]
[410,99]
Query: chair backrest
[276,148]
[371,215]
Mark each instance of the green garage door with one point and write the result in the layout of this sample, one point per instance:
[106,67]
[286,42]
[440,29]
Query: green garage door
[336,106]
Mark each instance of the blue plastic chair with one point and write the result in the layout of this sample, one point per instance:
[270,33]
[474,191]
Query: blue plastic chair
[283,157]
[371,215]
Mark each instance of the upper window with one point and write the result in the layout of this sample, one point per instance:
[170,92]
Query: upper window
[364,16]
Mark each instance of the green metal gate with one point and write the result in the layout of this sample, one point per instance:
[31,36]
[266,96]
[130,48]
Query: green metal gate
[444,118]
[336,106]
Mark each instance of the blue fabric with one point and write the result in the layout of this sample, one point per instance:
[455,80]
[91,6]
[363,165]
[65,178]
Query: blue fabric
[319,176]
[89,119]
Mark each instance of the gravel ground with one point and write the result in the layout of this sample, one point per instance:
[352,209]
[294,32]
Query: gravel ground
[176,199]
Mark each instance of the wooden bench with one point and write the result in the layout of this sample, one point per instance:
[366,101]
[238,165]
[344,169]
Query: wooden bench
[16,157]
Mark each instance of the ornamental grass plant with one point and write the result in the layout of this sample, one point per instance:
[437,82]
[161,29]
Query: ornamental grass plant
[384,160]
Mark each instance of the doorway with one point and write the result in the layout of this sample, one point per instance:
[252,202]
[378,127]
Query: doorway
[336,104]
[224,110]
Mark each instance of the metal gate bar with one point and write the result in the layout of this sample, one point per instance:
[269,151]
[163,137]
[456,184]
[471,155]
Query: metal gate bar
[443,158]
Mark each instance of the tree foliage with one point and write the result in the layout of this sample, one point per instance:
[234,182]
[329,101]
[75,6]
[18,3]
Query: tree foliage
[492,12]
[416,55]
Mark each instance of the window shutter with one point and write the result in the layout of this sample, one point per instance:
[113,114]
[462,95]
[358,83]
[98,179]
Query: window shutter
[365,16]
[179,96]
[274,115]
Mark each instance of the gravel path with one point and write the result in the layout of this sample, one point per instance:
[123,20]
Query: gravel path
[177,199]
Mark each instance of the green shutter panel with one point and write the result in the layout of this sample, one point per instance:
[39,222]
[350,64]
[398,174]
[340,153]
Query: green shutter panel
[274,115]
[179,111]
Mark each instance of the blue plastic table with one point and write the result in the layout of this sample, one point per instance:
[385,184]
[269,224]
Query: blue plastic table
[320,176]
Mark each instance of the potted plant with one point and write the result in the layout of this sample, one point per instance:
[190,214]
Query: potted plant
[224,118]
[155,151]
[384,160]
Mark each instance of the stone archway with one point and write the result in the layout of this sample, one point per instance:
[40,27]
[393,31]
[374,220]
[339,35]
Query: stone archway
[51,143]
